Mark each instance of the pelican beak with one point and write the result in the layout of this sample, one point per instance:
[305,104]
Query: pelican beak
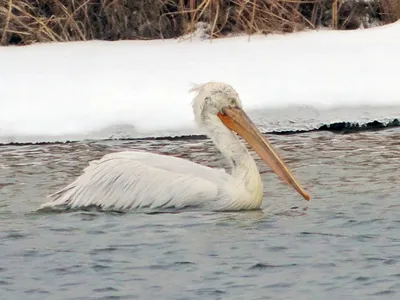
[238,121]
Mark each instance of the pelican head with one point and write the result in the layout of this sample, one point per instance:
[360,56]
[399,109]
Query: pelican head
[218,108]
[213,98]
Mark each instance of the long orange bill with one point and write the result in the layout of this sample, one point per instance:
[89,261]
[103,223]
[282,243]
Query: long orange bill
[238,121]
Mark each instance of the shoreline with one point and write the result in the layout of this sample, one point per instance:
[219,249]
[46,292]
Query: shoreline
[344,127]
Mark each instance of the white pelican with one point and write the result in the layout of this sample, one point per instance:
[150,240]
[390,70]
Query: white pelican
[135,180]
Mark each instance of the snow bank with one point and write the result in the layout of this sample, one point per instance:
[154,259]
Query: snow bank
[140,88]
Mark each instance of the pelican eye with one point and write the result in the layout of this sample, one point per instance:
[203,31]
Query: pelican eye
[222,111]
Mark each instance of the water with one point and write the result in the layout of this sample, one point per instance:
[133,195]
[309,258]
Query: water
[344,243]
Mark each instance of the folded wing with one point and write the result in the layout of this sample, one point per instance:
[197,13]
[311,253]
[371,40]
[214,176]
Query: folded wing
[132,180]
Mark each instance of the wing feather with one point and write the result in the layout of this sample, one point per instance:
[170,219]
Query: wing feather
[133,180]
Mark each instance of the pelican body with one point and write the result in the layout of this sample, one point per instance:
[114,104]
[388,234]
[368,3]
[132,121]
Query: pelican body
[133,180]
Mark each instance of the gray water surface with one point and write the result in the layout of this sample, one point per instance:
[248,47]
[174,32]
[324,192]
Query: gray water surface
[344,243]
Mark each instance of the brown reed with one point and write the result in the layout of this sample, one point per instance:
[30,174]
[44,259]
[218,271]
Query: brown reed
[30,21]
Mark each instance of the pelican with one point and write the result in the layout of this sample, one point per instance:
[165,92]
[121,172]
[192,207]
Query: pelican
[132,180]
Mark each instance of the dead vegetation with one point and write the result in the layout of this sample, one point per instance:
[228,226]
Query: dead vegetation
[29,21]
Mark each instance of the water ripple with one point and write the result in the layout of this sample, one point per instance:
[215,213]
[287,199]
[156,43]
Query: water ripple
[344,243]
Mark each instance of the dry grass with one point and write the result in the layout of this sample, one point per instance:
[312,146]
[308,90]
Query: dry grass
[30,21]
[390,10]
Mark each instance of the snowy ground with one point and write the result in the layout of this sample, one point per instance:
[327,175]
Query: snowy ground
[61,91]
